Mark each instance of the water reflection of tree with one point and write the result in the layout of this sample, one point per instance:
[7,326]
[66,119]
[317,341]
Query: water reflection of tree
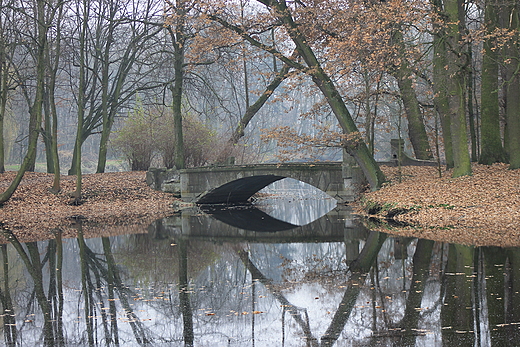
[95,272]
[98,271]
[472,292]
[358,269]
[7,303]
[501,279]
[30,255]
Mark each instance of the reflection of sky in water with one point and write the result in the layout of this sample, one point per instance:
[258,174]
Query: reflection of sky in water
[294,202]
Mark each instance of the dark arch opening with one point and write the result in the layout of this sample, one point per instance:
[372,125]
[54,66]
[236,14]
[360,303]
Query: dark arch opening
[237,191]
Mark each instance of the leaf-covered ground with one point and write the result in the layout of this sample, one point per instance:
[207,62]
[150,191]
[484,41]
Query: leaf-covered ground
[111,203]
[482,209]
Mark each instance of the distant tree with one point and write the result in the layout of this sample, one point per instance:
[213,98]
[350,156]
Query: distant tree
[118,46]
[147,136]
[4,81]
[136,138]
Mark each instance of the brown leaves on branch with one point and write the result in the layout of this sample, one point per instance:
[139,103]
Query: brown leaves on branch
[295,145]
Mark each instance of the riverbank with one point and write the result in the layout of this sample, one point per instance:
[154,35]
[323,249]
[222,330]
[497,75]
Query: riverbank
[482,209]
[112,202]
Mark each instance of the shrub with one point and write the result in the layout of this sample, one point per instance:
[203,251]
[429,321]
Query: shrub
[136,139]
[147,134]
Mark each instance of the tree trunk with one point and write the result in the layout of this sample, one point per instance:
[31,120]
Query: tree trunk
[47,128]
[439,86]
[177,109]
[492,150]
[416,128]
[3,92]
[253,109]
[37,107]
[512,80]
[456,86]
[472,117]
[81,101]
[177,35]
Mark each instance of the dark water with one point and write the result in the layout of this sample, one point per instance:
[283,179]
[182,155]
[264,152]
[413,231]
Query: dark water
[212,279]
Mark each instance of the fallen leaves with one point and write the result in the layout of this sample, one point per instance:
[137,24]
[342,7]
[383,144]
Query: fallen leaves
[112,203]
[482,209]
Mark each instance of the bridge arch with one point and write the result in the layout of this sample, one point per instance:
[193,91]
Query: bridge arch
[236,184]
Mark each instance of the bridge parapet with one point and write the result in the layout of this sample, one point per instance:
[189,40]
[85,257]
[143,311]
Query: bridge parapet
[236,183]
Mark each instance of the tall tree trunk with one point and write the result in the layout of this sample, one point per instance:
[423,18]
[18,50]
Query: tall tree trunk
[511,19]
[178,37]
[440,77]
[47,127]
[177,109]
[81,101]
[3,102]
[416,128]
[105,74]
[472,117]
[3,91]
[492,150]
[456,86]
[56,186]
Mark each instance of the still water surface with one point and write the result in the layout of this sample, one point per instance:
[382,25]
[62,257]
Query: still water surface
[312,276]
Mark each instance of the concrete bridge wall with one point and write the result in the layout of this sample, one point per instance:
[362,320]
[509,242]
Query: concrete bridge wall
[239,182]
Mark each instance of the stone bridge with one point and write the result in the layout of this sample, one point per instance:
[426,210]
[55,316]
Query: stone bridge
[237,183]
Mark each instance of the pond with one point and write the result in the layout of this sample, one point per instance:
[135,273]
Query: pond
[292,270]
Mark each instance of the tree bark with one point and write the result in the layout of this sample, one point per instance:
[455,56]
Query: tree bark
[456,86]
[510,16]
[81,100]
[416,128]
[3,90]
[178,37]
[439,85]
[492,150]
